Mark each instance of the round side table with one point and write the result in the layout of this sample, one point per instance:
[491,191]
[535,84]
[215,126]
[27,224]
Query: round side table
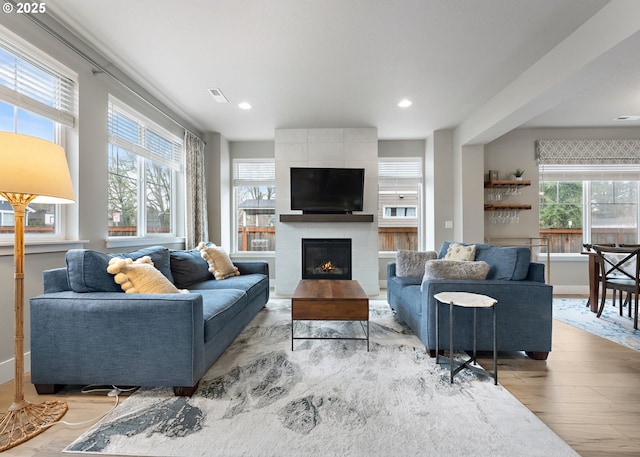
[466,300]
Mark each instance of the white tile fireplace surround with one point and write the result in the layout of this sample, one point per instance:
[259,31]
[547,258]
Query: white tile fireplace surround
[333,148]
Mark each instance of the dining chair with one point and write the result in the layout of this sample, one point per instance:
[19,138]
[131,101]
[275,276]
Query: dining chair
[620,272]
[627,300]
[594,274]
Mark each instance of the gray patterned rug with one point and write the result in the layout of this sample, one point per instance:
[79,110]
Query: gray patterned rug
[326,398]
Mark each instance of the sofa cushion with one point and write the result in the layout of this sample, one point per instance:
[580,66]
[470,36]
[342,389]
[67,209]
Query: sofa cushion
[87,269]
[188,268]
[252,284]
[220,265]
[219,307]
[140,277]
[457,251]
[411,263]
[455,269]
[505,262]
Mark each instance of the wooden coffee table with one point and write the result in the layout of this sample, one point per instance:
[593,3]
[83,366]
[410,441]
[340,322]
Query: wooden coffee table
[329,300]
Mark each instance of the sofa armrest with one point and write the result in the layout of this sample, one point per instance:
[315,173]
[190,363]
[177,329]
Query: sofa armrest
[391,269]
[536,272]
[117,338]
[55,280]
[246,267]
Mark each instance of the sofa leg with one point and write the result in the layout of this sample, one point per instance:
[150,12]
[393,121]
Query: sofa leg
[185,391]
[537,355]
[48,389]
[432,353]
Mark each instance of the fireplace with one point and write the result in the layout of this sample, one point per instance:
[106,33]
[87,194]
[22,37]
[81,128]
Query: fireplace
[326,258]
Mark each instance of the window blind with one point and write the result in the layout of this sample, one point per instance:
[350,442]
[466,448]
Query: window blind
[134,133]
[399,171]
[254,172]
[35,86]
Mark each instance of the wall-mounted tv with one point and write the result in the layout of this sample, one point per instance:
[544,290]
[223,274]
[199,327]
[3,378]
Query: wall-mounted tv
[327,190]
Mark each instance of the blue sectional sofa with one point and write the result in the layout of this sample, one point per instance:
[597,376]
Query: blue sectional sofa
[86,330]
[524,306]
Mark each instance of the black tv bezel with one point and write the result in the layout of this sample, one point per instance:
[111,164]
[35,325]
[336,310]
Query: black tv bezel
[326,210]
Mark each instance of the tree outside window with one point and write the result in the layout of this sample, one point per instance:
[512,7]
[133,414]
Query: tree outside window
[577,212]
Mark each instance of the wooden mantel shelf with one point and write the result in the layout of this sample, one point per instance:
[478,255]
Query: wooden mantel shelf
[326,218]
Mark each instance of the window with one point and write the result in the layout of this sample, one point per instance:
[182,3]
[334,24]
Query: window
[37,98]
[254,201]
[144,163]
[400,212]
[399,191]
[588,192]
[573,212]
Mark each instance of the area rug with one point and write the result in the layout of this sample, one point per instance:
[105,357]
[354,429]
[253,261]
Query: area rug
[610,325]
[325,398]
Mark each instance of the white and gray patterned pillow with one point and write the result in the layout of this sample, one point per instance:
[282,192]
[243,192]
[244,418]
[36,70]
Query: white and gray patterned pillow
[410,264]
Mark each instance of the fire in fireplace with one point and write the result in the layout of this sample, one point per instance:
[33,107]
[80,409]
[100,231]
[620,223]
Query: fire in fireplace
[326,258]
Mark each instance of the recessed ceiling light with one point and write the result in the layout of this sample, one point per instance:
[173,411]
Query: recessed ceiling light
[627,118]
[404,103]
[244,105]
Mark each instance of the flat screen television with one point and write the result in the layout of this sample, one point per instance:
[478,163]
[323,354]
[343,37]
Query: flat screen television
[327,190]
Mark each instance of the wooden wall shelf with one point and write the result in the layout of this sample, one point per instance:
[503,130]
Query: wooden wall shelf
[326,218]
[505,206]
[506,183]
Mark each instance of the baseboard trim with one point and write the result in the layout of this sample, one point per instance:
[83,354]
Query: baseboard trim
[571,290]
[7,368]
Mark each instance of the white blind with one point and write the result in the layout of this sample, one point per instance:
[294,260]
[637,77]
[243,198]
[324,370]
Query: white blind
[589,172]
[399,171]
[134,133]
[254,172]
[35,86]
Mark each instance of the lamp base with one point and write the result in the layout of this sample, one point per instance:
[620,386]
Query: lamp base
[24,420]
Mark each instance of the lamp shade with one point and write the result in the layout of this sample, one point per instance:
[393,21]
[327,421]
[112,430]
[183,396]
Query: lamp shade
[30,165]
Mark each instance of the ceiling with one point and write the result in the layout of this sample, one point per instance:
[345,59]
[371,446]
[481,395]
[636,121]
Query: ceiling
[347,63]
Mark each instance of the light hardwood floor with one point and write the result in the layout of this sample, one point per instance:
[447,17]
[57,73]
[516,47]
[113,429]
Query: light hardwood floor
[588,392]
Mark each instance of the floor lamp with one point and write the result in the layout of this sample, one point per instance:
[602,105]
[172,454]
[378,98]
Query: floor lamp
[31,170]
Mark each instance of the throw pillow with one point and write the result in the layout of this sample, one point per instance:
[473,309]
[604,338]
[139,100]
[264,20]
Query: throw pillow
[410,264]
[188,268]
[454,269]
[140,277]
[220,265]
[87,269]
[461,252]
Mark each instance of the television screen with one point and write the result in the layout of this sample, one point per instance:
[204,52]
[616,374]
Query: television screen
[327,190]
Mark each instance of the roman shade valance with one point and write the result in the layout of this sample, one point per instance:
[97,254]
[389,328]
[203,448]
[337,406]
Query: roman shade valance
[600,160]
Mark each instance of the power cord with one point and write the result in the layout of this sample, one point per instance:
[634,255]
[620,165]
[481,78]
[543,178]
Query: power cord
[112,391]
